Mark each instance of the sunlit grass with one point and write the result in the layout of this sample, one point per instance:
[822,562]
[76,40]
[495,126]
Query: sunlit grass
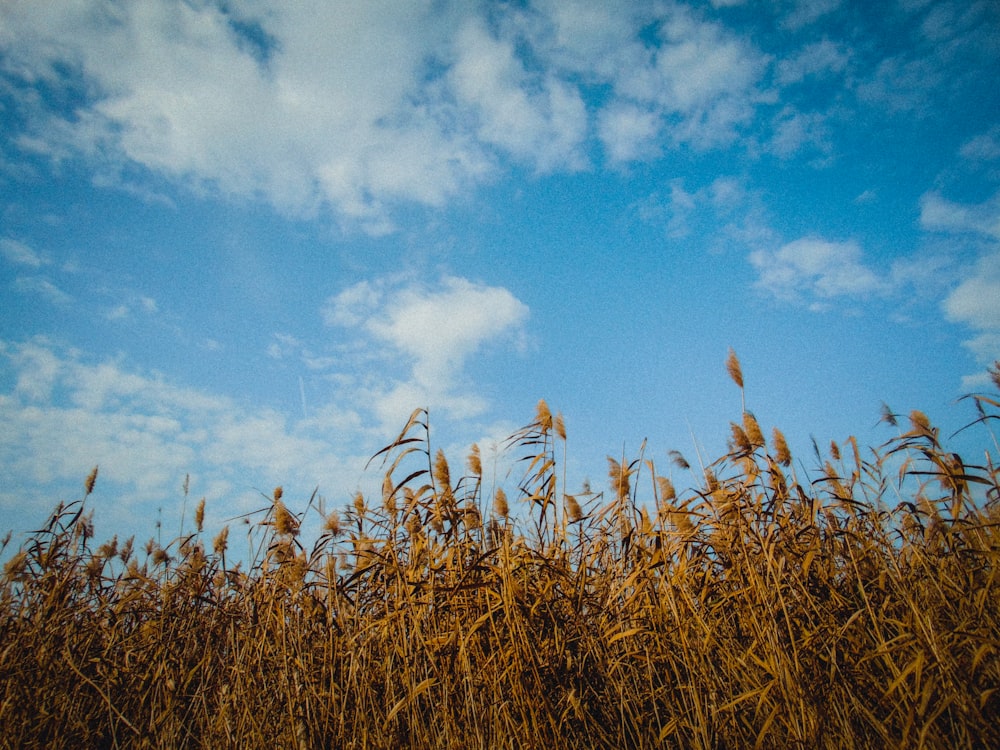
[753,609]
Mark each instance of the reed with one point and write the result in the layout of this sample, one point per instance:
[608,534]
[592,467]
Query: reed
[754,609]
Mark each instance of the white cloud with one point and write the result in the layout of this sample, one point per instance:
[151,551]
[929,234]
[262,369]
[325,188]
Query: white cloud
[984,147]
[806,12]
[66,414]
[124,310]
[816,59]
[119,312]
[816,268]
[20,254]
[696,86]
[903,85]
[629,132]
[794,131]
[587,37]
[44,288]
[540,119]
[331,116]
[975,301]
[723,211]
[939,214]
[705,74]
[357,109]
[434,330]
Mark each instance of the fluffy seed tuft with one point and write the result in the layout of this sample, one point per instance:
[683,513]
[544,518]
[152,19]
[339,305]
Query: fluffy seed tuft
[500,503]
[91,478]
[734,369]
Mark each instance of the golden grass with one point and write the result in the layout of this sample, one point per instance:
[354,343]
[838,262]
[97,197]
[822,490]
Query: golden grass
[755,609]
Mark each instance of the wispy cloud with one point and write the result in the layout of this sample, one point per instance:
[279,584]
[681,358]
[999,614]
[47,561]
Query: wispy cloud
[42,287]
[433,330]
[796,131]
[941,215]
[805,12]
[65,413]
[816,60]
[815,269]
[629,132]
[975,300]
[983,147]
[19,254]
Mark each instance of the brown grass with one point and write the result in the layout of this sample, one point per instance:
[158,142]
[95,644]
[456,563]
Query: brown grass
[755,609]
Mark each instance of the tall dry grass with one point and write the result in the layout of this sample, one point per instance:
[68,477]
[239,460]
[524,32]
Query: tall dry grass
[754,609]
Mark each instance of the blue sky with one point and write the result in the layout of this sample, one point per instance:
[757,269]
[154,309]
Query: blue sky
[243,240]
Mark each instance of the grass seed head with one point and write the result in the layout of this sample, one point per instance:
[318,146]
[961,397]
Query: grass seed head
[619,477]
[734,369]
[388,495]
[199,515]
[442,475]
[91,478]
[500,503]
[781,453]
[331,524]
[740,442]
[284,522]
[475,461]
[543,416]
[573,510]
[920,422]
[752,428]
[221,541]
[667,492]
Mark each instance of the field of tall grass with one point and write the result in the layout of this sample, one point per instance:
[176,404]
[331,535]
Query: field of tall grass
[757,607]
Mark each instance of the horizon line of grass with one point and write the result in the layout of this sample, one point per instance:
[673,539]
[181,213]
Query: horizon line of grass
[752,609]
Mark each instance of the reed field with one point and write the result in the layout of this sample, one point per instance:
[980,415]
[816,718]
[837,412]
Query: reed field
[846,600]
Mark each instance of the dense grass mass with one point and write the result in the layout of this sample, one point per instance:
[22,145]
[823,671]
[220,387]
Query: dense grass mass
[755,609]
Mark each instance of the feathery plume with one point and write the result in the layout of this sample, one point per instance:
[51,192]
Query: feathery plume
[920,422]
[475,461]
[667,491]
[199,515]
[740,441]
[573,509]
[500,503]
[752,428]
[441,473]
[733,368]
[560,427]
[284,522]
[619,477]
[332,524]
[91,478]
[388,495]
[781,453]
[543,416]
[221,542]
